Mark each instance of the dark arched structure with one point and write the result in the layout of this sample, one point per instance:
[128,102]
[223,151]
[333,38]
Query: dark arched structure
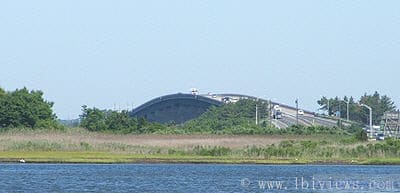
[177,108]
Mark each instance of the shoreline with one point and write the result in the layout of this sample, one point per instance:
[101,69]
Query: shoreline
[59,157]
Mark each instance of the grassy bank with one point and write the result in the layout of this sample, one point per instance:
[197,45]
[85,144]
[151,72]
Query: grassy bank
[107,157]
[80,146]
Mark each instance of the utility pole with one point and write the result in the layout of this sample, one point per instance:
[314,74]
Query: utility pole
[297,111]
[269,113]
[348,112]
[347,109]
[328,108]
[256,114]
[370,118]
[340,116]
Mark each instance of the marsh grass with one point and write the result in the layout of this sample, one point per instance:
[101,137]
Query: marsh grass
[79,145]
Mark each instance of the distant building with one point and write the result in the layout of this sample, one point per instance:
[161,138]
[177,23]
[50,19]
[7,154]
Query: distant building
[391,122]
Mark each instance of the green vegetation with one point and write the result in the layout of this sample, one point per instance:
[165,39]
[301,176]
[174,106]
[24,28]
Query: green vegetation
[321,150]
[233,118]
[379,104]
[24,108]
[95,119]
[105,157]
[325,149]
[103,137]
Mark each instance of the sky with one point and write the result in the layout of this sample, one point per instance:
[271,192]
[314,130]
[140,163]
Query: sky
[120,54]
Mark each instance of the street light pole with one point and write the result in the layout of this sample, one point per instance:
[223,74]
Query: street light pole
[256,114]
[269,113]
[340,115]
[347,109]
[370,118]
[297,111]
[348,112]
[328,108]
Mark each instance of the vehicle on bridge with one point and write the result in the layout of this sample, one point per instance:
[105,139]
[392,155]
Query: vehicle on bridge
[277,112]
[179,108]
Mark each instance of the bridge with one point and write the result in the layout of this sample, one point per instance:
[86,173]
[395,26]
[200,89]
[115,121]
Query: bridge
[179,108]
[174,108]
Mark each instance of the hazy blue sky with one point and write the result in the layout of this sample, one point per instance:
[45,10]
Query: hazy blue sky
[127,52]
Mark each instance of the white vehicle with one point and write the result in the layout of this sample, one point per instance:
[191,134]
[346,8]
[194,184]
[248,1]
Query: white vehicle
[300,112]
[277,112]
[194,91]
[376,127]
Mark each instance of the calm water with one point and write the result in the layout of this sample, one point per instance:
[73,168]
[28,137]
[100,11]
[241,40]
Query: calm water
[197,178]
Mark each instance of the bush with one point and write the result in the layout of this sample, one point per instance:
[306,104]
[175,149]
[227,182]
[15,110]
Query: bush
[24,108]
[361,135]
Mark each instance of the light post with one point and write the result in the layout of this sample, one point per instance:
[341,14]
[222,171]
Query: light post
[347,109]
[340,115]
[269,108]
[340,111]
[297,111]
[269,113]
[370,118]
[257,111]
[328,108]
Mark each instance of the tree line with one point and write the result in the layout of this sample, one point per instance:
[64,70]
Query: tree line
[235,118]
[232,118]
[380,104]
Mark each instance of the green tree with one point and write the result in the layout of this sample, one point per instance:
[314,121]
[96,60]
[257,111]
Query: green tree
[361,135]
[120,121]
[93,119]
[236,117]
[337,105]
[25,108]
[379,105]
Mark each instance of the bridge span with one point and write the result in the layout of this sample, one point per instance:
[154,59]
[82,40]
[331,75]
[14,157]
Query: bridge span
[174,108]
[179,108]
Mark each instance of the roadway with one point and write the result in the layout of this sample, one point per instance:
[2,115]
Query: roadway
[288,113]
[308,119]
